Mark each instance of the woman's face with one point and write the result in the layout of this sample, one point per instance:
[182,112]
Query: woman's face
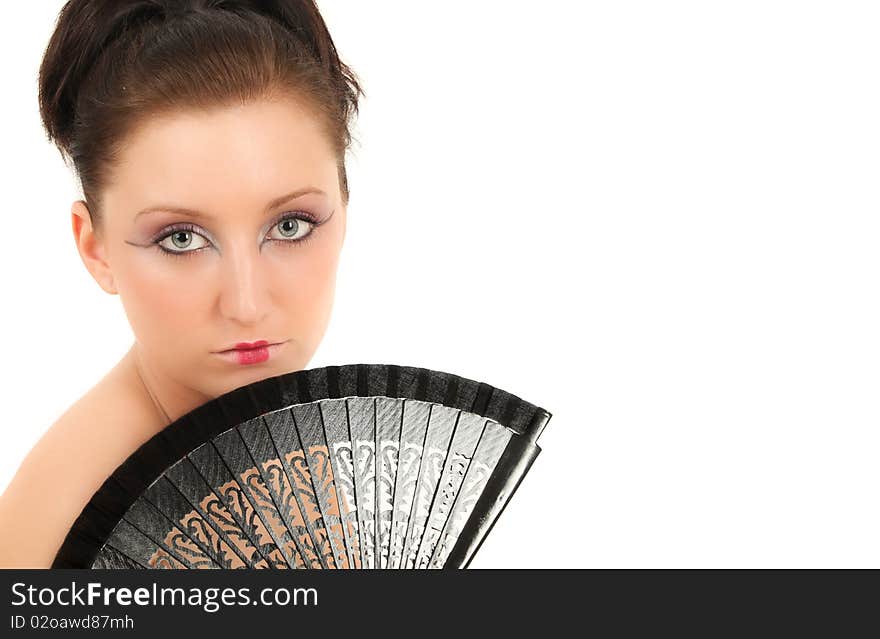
[246,264]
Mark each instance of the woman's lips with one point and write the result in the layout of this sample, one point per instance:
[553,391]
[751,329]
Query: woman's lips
[246,353]
[256,344]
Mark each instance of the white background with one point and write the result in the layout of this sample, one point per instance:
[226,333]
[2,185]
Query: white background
[657,220]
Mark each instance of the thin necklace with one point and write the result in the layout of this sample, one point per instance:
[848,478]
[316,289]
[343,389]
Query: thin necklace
[150,392]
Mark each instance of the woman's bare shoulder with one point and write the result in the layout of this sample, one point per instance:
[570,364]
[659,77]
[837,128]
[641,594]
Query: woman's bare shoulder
[65,468]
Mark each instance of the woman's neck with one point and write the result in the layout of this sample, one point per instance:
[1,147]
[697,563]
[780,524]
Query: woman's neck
[170,399]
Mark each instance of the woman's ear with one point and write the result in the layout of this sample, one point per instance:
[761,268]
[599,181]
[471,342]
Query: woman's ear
[90,247]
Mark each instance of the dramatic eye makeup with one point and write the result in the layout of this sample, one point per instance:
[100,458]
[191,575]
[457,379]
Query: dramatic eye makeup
[185,239]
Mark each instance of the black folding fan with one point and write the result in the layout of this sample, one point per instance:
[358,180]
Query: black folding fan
[369,466]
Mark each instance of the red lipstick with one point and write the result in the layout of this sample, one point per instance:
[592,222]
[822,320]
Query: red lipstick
[252,355]
[251,352]
[256,344]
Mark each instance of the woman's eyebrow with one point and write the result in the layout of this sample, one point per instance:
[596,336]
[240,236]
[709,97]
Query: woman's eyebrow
[278,201]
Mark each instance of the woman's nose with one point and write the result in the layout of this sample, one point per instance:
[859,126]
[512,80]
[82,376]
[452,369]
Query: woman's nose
[243,292]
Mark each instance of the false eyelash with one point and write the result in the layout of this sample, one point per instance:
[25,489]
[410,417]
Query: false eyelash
[185,226]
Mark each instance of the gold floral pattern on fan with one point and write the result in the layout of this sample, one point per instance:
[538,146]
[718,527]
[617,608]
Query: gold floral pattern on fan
[238,502]
[312,488]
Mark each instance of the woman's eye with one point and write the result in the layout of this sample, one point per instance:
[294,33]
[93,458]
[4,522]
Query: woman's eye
[181,242]
[293,228]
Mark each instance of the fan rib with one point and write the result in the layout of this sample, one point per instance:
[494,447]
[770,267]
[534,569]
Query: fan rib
[124,554]
[337,472]
[409,519]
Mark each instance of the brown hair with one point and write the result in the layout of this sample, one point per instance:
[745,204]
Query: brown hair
[112,63]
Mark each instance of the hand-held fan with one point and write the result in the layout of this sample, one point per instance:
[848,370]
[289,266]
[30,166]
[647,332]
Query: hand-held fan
[368,466]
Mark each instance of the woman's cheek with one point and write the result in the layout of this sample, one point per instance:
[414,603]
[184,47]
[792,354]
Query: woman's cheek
[308,304]
[158,297]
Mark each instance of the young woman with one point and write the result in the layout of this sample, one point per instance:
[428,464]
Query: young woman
[209,137]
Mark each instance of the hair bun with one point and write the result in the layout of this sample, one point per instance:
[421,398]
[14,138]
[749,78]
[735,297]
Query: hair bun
[84,30]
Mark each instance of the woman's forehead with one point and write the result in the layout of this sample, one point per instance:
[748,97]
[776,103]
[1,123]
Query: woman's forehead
[281,131]
[251,153]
